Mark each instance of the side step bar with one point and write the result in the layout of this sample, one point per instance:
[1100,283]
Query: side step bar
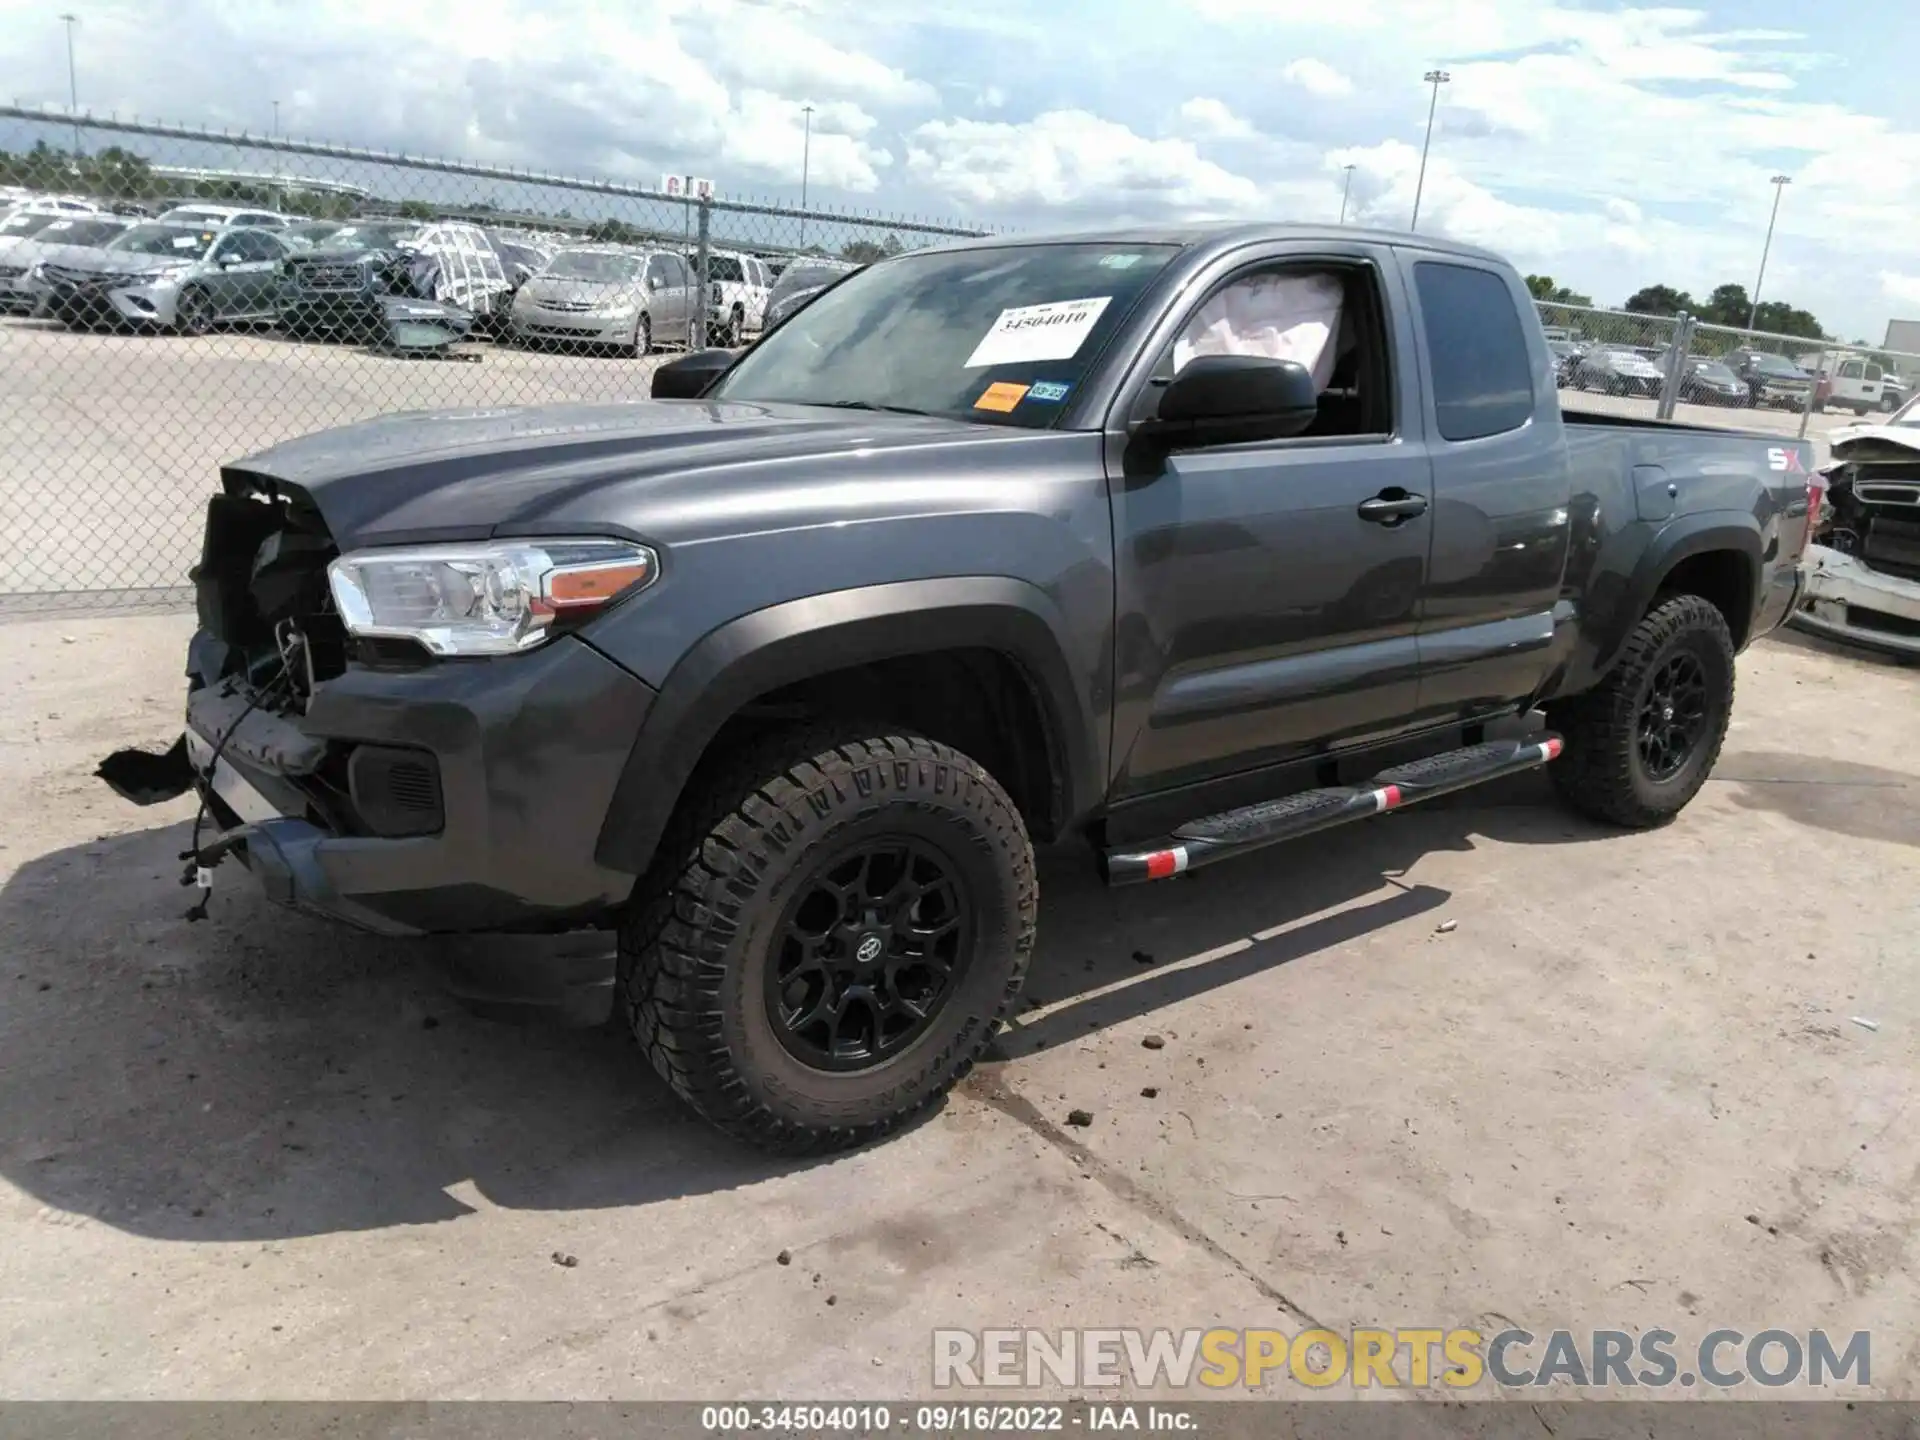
[1217,837]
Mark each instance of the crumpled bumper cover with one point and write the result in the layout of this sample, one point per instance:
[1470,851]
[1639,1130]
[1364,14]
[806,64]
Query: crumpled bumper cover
[1846,598]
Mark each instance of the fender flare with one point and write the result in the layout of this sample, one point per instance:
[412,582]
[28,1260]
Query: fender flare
[1675,542]
[791,642]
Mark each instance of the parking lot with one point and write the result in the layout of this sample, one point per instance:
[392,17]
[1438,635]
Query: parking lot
[1477,1064]
[109,444]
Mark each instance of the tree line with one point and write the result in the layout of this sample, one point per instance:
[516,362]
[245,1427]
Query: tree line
[1727,305]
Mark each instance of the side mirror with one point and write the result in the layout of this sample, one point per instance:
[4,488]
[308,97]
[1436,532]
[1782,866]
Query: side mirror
[689,377]
[653,282]
[226,260]
[1223,399]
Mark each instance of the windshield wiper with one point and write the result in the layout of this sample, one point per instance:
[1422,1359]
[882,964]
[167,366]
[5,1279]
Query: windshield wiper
[863,405]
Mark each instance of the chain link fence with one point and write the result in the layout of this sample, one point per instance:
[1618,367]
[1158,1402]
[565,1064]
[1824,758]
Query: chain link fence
[175,298]
[1674,367]
[172,298]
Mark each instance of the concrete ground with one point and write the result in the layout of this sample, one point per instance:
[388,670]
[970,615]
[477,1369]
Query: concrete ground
[110,444]
[1476,1064]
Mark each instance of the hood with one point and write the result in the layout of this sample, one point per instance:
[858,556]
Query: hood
[1868,444]
[466,474]
[119,262]
[68,255]
[584,292]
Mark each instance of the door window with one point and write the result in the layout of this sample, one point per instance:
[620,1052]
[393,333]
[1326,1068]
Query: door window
[1482,376]
[672,271]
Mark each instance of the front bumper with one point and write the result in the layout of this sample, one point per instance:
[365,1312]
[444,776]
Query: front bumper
[585,327]
[1846,599]
[529,749]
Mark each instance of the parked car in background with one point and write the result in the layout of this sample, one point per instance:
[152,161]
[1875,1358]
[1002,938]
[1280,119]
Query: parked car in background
[21,290]
[1565,355]
[521,258]
[737,288]
[1846,382]
[1895,391]
[58,204]
[606,295]
[1706,381]
[804,277]
[168,276]
[1771,379]
[340,287]
[1618,370]
[25,222]
[218,216]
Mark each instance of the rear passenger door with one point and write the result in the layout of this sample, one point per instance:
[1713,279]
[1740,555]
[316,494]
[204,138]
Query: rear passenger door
[1491,608]
[675,303]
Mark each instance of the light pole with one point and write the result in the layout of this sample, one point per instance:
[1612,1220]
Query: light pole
[73,85]
[1780,183]
[806,164]
[1345,190]
[279,191]
[1435,78]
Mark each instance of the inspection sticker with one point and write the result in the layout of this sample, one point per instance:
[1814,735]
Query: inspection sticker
[1054,331]
[1001,396]
[1048,390]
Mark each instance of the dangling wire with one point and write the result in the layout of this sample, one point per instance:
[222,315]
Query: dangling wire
[197,873]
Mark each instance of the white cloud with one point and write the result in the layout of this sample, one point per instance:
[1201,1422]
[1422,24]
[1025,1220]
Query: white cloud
[1903,288]
[773,52]
[1387,175]
[1210,119]
[1073,160]
[1316,77]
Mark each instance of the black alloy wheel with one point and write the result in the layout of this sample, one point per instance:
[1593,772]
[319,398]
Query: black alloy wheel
[869,950]
[1673,716]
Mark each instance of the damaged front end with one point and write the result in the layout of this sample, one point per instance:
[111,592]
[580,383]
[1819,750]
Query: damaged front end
[1863,567]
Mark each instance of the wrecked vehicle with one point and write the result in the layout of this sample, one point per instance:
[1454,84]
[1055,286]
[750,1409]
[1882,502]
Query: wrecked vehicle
[344,286]
[1863,569]
[1179,542]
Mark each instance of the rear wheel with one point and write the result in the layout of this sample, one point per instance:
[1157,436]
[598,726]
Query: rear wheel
[834,929]
[1641,744]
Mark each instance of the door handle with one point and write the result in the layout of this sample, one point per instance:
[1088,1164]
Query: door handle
[1390,507]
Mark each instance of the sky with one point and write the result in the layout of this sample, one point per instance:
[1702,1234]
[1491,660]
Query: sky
[1607,143]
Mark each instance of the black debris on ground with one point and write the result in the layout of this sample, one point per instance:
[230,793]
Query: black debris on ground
[564,1260]
[1149,1091]
[1081,1118]
[1154,1042]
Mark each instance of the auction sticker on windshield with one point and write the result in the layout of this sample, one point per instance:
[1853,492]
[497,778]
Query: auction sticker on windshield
[1001,396]
[1054,331]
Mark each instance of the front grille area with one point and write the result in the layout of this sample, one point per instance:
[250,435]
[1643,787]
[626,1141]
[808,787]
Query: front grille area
[335,275]
[1893,547]
[396,791]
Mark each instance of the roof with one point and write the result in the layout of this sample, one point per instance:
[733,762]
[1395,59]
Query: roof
[1227,236]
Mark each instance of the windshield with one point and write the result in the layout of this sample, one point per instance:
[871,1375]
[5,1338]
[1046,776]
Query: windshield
[1774,365]
[81,232]
[370,237]
[197,217]
[184,242]
[999,334]
[29,224]
[600,265]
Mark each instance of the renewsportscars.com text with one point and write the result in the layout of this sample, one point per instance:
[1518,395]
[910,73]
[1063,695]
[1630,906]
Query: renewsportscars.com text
[1410,1358]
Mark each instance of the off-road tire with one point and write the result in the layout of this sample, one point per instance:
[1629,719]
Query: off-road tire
[701,930]
[1600,772]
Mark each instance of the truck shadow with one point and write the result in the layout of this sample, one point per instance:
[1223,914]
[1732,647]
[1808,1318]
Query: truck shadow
[261,1076]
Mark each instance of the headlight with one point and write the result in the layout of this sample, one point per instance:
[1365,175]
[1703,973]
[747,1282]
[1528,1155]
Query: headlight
[169,276]
[484,599]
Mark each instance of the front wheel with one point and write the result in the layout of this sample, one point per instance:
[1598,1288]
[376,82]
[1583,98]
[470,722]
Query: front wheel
[193,313]
[1641,744]
[643,336]
[833,931]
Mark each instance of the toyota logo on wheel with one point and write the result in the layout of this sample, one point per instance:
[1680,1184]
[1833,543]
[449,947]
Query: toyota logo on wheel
[869,950]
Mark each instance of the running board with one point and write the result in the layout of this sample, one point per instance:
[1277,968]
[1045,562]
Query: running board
[1217,837]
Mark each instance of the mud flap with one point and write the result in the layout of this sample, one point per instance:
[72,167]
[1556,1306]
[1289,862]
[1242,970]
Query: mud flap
[145,778]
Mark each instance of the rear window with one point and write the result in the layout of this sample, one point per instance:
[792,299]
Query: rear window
[1482,378]
[724,267]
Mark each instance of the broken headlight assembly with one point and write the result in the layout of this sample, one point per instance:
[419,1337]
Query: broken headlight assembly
[484,599]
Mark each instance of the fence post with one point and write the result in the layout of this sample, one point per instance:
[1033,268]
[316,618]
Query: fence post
[1819,368]
[1677,354]
[697,337]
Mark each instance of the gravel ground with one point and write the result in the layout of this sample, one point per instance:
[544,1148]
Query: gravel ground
[1474,1064]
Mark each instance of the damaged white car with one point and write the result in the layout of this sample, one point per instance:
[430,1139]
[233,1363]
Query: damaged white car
[1863,569]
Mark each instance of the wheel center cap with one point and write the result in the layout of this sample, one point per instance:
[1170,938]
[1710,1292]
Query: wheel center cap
[1666,712]
[869,949]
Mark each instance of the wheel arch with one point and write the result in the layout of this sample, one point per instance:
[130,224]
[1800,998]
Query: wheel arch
[789,657]
[1716,555]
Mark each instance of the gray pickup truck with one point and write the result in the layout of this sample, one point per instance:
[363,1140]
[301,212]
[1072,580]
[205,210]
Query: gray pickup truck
[1178,541]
